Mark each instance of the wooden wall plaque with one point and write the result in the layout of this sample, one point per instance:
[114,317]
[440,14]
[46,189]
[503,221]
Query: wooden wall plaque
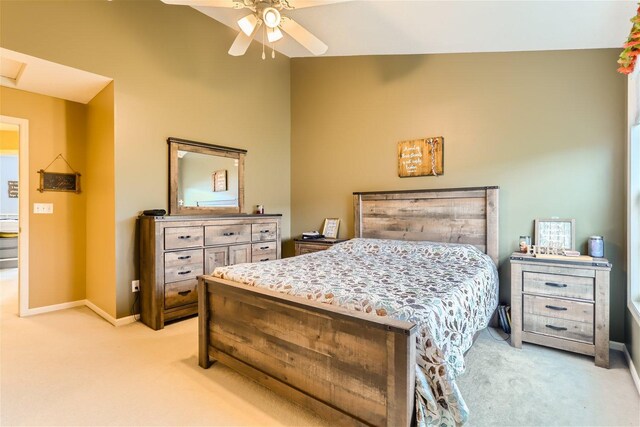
[53,181]
[421,157]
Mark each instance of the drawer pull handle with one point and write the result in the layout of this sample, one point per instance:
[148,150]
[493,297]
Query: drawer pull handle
[556,328]
[184,237]
[264,247]
[555,307]
[556,285]
[264,259]
[229,234]
[265,231]
[184,257]
[184,272]
[184,293]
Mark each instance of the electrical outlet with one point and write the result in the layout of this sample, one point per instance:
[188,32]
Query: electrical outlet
[135,285]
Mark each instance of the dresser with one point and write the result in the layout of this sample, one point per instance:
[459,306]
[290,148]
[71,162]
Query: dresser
[305,246]
[175,250]
[562,304]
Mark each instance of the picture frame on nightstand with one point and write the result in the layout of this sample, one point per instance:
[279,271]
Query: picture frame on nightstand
[330,228]
[557,233]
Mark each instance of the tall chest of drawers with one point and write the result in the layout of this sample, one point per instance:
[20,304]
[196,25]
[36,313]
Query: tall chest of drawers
[561,304]
[174,250]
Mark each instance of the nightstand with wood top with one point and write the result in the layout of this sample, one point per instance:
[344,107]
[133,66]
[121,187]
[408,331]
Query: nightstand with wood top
[561,303]
[306,246]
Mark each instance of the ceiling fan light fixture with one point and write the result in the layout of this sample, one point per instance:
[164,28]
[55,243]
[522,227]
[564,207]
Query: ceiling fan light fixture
[271,17]
[248,24]
[274,34]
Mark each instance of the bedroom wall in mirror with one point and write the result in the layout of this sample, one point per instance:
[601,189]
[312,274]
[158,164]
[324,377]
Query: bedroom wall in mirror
[205,178]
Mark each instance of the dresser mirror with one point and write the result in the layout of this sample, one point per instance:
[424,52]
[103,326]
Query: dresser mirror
[205,178]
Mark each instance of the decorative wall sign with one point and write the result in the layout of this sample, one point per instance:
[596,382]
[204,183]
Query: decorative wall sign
[54,181]
[13,189]
[219,180]
[556,233]
[421,157]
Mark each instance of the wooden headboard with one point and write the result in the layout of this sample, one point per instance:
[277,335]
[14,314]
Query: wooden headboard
[453,215]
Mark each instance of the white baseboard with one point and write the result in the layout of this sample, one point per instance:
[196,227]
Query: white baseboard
[106,316]
[50,308]
[80,303]
[619,346]
[632,369]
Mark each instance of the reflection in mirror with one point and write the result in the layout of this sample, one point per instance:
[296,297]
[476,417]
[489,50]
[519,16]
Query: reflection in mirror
[207,181]
[205,178]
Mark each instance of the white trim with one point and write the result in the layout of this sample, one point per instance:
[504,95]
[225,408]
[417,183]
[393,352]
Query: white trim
[50,308]
[633,193]
[106,316]
[632,369]
[23,213]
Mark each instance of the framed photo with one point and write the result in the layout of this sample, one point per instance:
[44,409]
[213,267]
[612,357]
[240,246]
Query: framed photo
[330,228]
[556,233]
[52,181]
[219,180]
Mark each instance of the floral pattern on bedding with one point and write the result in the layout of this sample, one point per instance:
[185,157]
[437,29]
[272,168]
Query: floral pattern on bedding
[449,291]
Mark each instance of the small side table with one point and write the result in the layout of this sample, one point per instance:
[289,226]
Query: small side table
[561,303]
[306,246]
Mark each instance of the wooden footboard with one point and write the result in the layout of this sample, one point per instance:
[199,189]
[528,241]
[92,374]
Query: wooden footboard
[350,368]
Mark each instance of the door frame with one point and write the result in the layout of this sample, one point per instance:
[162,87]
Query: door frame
[23,212]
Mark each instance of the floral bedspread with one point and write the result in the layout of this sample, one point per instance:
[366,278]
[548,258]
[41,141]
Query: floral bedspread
[449,291]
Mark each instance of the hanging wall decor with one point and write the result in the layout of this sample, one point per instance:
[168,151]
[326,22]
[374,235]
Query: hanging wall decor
[58,181]
[629,55]
[421,157]
[219,180]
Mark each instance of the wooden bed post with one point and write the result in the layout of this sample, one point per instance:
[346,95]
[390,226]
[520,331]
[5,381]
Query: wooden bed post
[401,377]
[492,224]
[203,327]
[357,213]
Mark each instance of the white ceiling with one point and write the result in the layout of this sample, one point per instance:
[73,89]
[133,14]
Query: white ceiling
[384,27]
[36,75]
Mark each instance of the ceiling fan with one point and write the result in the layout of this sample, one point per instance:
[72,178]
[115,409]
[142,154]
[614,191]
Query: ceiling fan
[267,12]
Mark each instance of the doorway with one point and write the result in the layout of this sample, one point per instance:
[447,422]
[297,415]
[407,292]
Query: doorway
[14,214]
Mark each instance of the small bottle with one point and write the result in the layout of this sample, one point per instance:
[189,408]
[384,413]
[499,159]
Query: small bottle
[596,246]
[260,209]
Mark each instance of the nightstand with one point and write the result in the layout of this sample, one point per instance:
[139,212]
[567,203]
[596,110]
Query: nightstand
[562,304]
[305,246]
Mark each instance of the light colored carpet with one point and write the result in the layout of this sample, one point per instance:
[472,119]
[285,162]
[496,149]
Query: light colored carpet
[73,368]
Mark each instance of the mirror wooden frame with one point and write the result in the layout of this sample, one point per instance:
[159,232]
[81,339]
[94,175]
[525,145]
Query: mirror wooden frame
[177,144]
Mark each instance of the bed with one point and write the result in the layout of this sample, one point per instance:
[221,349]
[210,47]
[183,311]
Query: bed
[320,330]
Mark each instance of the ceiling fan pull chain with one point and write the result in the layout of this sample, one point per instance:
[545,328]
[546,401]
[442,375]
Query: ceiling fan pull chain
[264,30]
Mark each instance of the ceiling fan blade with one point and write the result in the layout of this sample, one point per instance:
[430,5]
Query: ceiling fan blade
[231,4]
[300,4]
[303,36]
[242,42]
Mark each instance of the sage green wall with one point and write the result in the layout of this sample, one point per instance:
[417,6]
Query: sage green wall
[172,77]
[547,127]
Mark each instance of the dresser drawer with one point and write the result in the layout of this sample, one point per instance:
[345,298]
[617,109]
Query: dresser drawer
[557,308]
[263,251]
[561,328]
[182,265]
[558,285]
[182,237]
[225,234]
[180,293]
[264,231]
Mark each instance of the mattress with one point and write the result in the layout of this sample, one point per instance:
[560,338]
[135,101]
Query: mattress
[449,291]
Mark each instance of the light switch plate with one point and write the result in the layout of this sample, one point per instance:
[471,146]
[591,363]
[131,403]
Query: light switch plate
[43,208]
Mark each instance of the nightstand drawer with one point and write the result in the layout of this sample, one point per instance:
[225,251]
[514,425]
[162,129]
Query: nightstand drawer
[558,285]
[556,308]
[182,237]
[182,265]
[561,328]
[180,293]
